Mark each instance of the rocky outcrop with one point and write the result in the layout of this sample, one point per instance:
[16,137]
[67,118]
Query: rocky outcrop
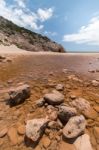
[26,39]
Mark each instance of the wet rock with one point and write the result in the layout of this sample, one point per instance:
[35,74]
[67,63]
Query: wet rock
[3,132]
[35,128]
[54,98]
[96,133]
[40,102]
[96,108]
[21,129]
[59,87]
[81,104]
[95,83]
[91,71]
[46,142]
[19,94]
[75,127]
[90,114]
[54,125]
[83,143]
[13,137]
[53,116]
[65,113]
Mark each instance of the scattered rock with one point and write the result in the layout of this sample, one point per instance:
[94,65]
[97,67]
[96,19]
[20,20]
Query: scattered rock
[65,113]
[3,132]
[21,130]
[54,98]
[40,102]
[35,128]
[91,71]
[46,142]
[54,125]
[19,94]
[83,143]
[90,114]
[12,134]
[81,104]
[53,116]
[74,127]
[59,87]
[95,83]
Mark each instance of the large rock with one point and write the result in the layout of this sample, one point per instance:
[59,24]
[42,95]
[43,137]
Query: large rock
[83,143]
[19,94]
[54,98]
[65,113]
[35,128]
[74,127]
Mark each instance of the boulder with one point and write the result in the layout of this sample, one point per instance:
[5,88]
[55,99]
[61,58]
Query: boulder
[65,113]
[54,98]
[83,143]
[35,128]
[75,127]
[19,94]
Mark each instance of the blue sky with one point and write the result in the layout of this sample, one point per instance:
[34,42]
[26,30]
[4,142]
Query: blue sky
[72,23]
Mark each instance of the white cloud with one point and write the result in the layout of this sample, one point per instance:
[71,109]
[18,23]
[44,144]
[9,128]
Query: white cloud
[87,34]
[21,3]
[48,33]
[24,17]
[45,14]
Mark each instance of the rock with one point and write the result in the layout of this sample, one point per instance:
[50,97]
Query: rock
[54,125]
[90,114]
[3,132]
[35,128]
[91,71]
[83,143]
[46,142]
[81,104]
[59,87]
[65,113]
[54,98]
[74,127]
[96,133]
[65,70]
[95,83]
[21,130]
[40,102]
[53,116]
[73,97]
[12,134]
[19,94]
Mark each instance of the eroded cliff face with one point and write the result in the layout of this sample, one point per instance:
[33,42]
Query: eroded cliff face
[26,39]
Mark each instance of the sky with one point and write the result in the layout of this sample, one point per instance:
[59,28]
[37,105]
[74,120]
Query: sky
[72,23]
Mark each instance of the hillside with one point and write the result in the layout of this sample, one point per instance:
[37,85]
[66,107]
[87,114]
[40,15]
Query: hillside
[25,39]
